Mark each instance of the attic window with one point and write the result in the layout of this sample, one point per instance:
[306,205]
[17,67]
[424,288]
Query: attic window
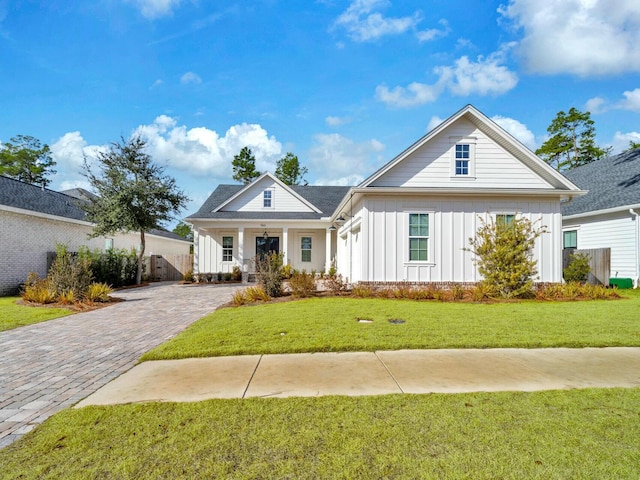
[267,198]
[463,159]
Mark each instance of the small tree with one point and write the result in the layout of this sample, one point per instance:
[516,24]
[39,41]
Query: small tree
[134,195]
[504,251]
[25,159]
[184,231]
[572,141]
[244,166]
[288,170]
[269,272]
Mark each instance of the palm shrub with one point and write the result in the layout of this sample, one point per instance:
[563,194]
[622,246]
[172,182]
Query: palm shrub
[97,292]
[504,255]
[268,268]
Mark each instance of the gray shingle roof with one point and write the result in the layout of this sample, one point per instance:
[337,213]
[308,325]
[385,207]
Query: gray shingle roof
[17,194]
[612,182]
[325,198]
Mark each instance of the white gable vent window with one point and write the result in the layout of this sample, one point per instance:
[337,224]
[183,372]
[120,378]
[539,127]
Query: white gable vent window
[463,161]
[267,199]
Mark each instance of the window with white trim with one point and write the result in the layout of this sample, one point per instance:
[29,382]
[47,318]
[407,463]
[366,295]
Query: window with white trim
[305,249]
[267,198]
[570,239]
[227,249]
[462,159]
[418,237]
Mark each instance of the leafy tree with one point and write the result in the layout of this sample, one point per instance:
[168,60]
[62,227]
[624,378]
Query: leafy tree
[504,251]
[572,141]
[133,193]
[288,170]
[25,159]
[633,145]
[244,166]
[184,231]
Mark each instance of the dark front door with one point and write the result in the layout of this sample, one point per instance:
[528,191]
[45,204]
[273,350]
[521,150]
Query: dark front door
[267,245]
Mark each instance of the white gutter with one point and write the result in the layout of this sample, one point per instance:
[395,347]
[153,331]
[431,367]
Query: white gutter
[637,215]
[604,211]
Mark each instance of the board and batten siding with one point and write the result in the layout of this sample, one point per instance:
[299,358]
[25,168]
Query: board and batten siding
[252,199]
[431,164]
[616,231]
[384,251]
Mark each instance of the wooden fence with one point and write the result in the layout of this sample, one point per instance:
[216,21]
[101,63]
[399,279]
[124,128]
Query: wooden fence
[168,267]
[599,262]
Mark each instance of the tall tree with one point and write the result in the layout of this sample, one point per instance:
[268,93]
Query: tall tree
[134,194]
[572,141]
[183,230]
[288,170]
[25,159]
[244,166]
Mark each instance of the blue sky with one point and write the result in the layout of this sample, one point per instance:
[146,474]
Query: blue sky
[345,85]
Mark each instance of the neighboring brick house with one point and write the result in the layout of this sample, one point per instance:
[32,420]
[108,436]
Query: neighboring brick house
[33,220]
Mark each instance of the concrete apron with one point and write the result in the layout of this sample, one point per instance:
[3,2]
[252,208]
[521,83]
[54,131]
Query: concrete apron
[372,373]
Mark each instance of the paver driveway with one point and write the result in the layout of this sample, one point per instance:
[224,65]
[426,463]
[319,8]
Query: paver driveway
[49,366]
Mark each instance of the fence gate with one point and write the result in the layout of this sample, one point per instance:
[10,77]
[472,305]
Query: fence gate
[599,263]
[169,267]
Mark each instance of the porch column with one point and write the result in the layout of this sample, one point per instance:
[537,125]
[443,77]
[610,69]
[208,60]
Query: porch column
[241,248]
[327,258]
[285,245]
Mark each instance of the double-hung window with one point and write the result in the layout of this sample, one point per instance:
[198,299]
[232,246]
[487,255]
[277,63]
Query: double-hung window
[462,159]
[267,199]
[305,249]
[227,249]
[418,237]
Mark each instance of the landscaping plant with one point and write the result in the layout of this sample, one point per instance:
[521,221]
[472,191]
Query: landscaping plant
[504,255]
[578,268]
[268,268]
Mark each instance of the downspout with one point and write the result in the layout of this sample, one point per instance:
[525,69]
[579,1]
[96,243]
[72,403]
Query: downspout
[637,216]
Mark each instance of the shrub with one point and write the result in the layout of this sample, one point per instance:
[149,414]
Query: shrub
[237,273]
[70,272]
[302,284]
[334,283]
[97,292]
[363,291]
[239,298]
[187,276]
[38,290]
[115,267]
[268,269]
[457,292]
[227,277]
[256,294]
[578,268]
[287,271]
[67,298]
[504,251]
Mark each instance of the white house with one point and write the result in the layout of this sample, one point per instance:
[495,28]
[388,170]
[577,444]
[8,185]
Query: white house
[607,217]
[409,221]
[34,219]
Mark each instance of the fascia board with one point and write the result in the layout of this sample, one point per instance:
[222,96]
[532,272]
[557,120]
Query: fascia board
[604,211]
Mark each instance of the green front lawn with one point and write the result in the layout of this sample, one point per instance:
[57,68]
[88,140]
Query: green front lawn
[13,315]
[550,435]
[331,324]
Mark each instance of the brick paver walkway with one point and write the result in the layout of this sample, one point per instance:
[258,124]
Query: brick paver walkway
[49,366]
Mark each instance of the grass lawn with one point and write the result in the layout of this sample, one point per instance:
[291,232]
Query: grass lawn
[551,435]
[331,324]
[12,315]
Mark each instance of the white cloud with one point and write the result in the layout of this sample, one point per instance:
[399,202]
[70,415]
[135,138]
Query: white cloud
[434,33]
[486,76]
[434,122]
[341,161]
[631,101]
[517,129]
[581,37]
[157,83]
[190,77]
[70,151]
[336,121]
[596,105]
[621,140]
[152,9]
[201,151]
[363,23]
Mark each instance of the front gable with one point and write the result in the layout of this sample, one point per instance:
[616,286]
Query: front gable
[267,194]
[468,151]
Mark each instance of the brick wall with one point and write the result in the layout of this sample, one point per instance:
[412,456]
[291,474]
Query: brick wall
[26,239]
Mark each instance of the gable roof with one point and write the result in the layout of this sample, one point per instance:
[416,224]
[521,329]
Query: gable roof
[498,135]
[325,199]
[612,182]
[24,196]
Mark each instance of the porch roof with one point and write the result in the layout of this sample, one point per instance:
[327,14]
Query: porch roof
[325,198]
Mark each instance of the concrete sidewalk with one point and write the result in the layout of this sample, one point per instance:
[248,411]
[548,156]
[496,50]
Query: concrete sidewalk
[372,373]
